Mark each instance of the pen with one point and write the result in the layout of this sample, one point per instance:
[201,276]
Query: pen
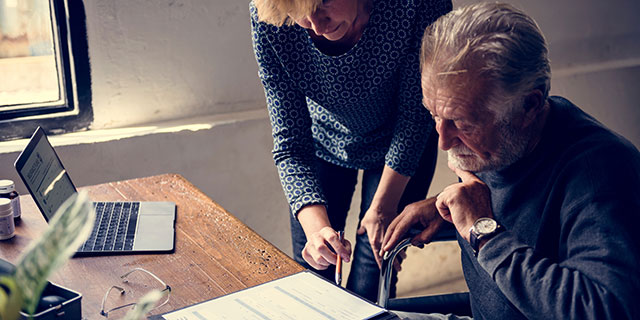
[339,262]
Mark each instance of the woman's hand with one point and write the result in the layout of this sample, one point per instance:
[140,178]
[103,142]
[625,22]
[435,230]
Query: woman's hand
[318,250]
[322,240]
[383,208]
[374,223]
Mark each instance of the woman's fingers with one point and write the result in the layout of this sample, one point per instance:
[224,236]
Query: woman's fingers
[314,259]
[319,250]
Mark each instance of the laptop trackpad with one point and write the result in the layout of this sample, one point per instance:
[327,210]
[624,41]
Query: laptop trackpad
[155,228]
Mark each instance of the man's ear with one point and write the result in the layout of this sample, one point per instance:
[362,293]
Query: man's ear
[533,105]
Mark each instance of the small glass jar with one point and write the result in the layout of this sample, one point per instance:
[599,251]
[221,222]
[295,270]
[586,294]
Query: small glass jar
[7,225]
[8,190]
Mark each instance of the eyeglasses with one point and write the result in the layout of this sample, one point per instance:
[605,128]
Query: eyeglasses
[166,289]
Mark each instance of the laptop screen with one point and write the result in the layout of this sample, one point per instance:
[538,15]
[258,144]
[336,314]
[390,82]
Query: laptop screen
[43,174]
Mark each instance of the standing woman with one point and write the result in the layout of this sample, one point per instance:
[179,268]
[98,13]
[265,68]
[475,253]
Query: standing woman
[342,84]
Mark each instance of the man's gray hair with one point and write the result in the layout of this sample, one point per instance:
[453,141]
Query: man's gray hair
[490,41]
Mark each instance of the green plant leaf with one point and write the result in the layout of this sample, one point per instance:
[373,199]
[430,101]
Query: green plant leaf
[11,300]
[69,228]
[144,305]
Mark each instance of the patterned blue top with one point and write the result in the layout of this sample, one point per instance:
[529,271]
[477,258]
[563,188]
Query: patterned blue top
[360,110]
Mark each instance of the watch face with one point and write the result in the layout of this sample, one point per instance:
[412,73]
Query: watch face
[485,225]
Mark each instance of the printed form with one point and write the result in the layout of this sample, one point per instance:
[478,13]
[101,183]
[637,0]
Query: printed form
[299,296]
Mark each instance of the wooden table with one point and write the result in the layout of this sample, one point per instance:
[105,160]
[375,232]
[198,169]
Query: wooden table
[215,254]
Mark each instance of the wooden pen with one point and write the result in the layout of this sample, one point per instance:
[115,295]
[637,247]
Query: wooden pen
[339,262]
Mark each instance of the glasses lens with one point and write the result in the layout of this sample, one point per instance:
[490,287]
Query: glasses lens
[135,284]
[117,313]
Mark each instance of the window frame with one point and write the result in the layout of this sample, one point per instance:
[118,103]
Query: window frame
[75,112]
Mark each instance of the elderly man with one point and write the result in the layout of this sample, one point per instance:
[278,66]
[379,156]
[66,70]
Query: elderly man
[548,207]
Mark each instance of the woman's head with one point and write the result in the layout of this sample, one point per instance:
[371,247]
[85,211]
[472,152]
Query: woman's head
[282,12]
[332,19]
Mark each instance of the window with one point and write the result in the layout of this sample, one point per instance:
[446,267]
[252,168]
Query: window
[44,67]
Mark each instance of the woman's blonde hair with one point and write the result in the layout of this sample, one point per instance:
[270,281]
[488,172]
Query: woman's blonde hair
[281,12]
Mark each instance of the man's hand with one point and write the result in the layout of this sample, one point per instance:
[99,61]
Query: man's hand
[463,203]
[422,213]
[317,252]
[374,223]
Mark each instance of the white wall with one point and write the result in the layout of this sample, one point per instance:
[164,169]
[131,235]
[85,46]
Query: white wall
[158,60]
[154,61]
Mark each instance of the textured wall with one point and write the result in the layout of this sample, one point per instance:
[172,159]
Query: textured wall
[167,59]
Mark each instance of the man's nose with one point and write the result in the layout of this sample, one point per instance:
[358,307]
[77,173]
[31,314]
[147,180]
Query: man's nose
[448,134]
[319,21]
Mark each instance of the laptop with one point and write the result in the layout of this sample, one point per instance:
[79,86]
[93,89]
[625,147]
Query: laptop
[120,227]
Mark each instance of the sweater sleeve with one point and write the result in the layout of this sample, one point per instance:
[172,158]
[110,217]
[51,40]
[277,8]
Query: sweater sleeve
[414,125]
[593,275]
[293,147]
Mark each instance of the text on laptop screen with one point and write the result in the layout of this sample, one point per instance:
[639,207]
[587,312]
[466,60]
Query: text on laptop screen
[49,182]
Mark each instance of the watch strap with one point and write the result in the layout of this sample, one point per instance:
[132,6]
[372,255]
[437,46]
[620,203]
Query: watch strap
[475,238]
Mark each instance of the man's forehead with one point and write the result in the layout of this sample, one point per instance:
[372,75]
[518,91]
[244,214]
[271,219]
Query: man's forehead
[435,93]
[459,80]
[457,97]
[448,104]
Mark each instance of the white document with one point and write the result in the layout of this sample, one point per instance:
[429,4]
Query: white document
[299,296]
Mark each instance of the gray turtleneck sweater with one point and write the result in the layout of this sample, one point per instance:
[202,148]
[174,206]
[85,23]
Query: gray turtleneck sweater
[570,209]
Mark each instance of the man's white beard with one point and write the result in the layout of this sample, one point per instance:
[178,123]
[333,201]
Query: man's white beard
[512,148]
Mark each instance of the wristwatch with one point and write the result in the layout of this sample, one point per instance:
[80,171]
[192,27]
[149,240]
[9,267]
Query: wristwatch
[483,228]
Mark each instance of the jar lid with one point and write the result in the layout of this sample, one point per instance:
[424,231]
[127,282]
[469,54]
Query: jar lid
[5,205]
[7,186]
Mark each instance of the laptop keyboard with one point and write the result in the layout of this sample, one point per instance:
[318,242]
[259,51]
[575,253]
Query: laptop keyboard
[115,227]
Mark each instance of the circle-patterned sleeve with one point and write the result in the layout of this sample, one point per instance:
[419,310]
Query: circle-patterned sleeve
[293,146]
[414,125]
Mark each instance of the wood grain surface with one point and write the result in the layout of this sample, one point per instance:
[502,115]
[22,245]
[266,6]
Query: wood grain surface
[215,254]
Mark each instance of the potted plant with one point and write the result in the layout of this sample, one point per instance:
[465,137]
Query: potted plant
[22,287]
